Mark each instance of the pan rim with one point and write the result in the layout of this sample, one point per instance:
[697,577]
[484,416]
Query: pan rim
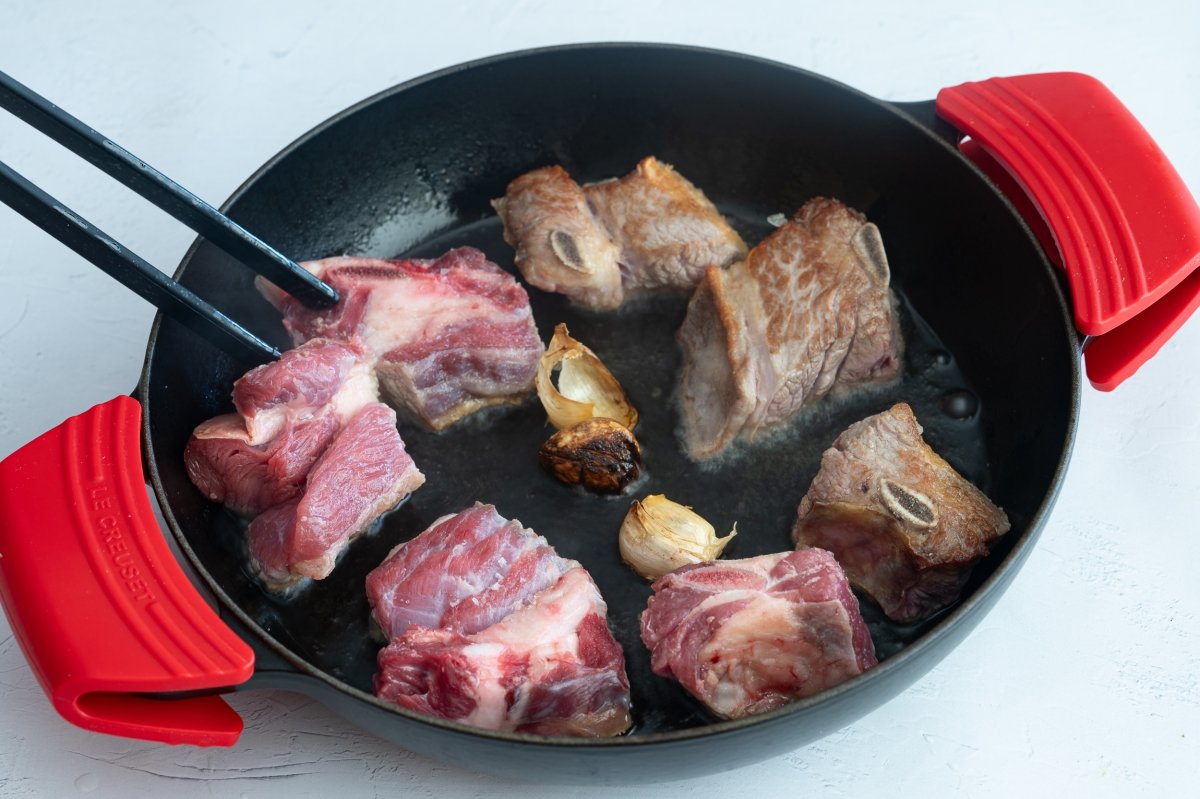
[962,614]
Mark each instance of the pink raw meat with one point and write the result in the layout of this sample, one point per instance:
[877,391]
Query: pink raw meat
[247,478]
[302,382]
[451,336]
[288,413]
[363,473]
[465,573]
[551,667]
[744,636]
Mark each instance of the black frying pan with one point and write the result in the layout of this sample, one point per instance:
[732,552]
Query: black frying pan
[992,367]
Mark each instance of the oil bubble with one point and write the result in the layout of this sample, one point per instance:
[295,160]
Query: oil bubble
[960,404]
[940,359]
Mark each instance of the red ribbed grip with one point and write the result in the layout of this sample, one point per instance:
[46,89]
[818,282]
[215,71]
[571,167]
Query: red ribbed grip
[1125,226]
[101,609]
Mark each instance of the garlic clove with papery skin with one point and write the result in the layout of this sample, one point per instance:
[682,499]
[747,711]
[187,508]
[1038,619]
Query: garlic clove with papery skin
[585,390]
[659,536]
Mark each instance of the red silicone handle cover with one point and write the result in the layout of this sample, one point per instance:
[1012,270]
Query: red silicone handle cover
[1126,229]
[100,607]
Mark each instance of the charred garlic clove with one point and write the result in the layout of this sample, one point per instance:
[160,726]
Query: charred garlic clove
[586,389]
[599,454]
[659,536]
[908,505]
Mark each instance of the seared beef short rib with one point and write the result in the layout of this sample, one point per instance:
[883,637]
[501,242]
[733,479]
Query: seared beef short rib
[808,311]
[905,526]
[561,246]
[651,229]
[668,231]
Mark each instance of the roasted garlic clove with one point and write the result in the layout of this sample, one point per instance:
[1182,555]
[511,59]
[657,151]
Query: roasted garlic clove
[659,536]
[599,454]
[585,390]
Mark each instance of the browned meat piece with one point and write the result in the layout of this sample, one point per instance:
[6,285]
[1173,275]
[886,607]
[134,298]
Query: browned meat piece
[905,526]
[648,230]
[561,247]
[668,230]
[808,311]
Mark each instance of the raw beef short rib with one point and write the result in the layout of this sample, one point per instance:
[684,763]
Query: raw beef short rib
[465,573]
[808,311]
[745,636]
[651,229]
[288,413]
[303,382]
[364,472]
[551,667]
[249,478]
[903,523]
[490,627]
[450,336]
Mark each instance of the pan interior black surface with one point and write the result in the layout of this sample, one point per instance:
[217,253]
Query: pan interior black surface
[411,173]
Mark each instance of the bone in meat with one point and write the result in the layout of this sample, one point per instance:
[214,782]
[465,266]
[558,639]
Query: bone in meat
[903,523]
[809,311]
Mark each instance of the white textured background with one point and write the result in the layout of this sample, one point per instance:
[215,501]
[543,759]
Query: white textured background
[1082,681]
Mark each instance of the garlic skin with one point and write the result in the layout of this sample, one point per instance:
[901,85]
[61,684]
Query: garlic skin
[659,536]
[586,389]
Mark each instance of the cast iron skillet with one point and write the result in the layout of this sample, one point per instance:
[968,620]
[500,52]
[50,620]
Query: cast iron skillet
[991,367]
[411,173]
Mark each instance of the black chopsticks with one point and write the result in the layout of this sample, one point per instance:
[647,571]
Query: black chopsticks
[147,282]
[135,273]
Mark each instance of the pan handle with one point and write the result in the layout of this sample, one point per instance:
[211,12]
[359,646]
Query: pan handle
[112,628]
[1101,195]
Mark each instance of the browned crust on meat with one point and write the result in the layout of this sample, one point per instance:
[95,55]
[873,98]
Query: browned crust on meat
[905,526]
[967,520]
[544,210]
[668,230]
[818,290]
[715,353]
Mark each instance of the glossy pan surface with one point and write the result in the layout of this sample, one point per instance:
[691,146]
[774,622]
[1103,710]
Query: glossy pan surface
[991,366]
